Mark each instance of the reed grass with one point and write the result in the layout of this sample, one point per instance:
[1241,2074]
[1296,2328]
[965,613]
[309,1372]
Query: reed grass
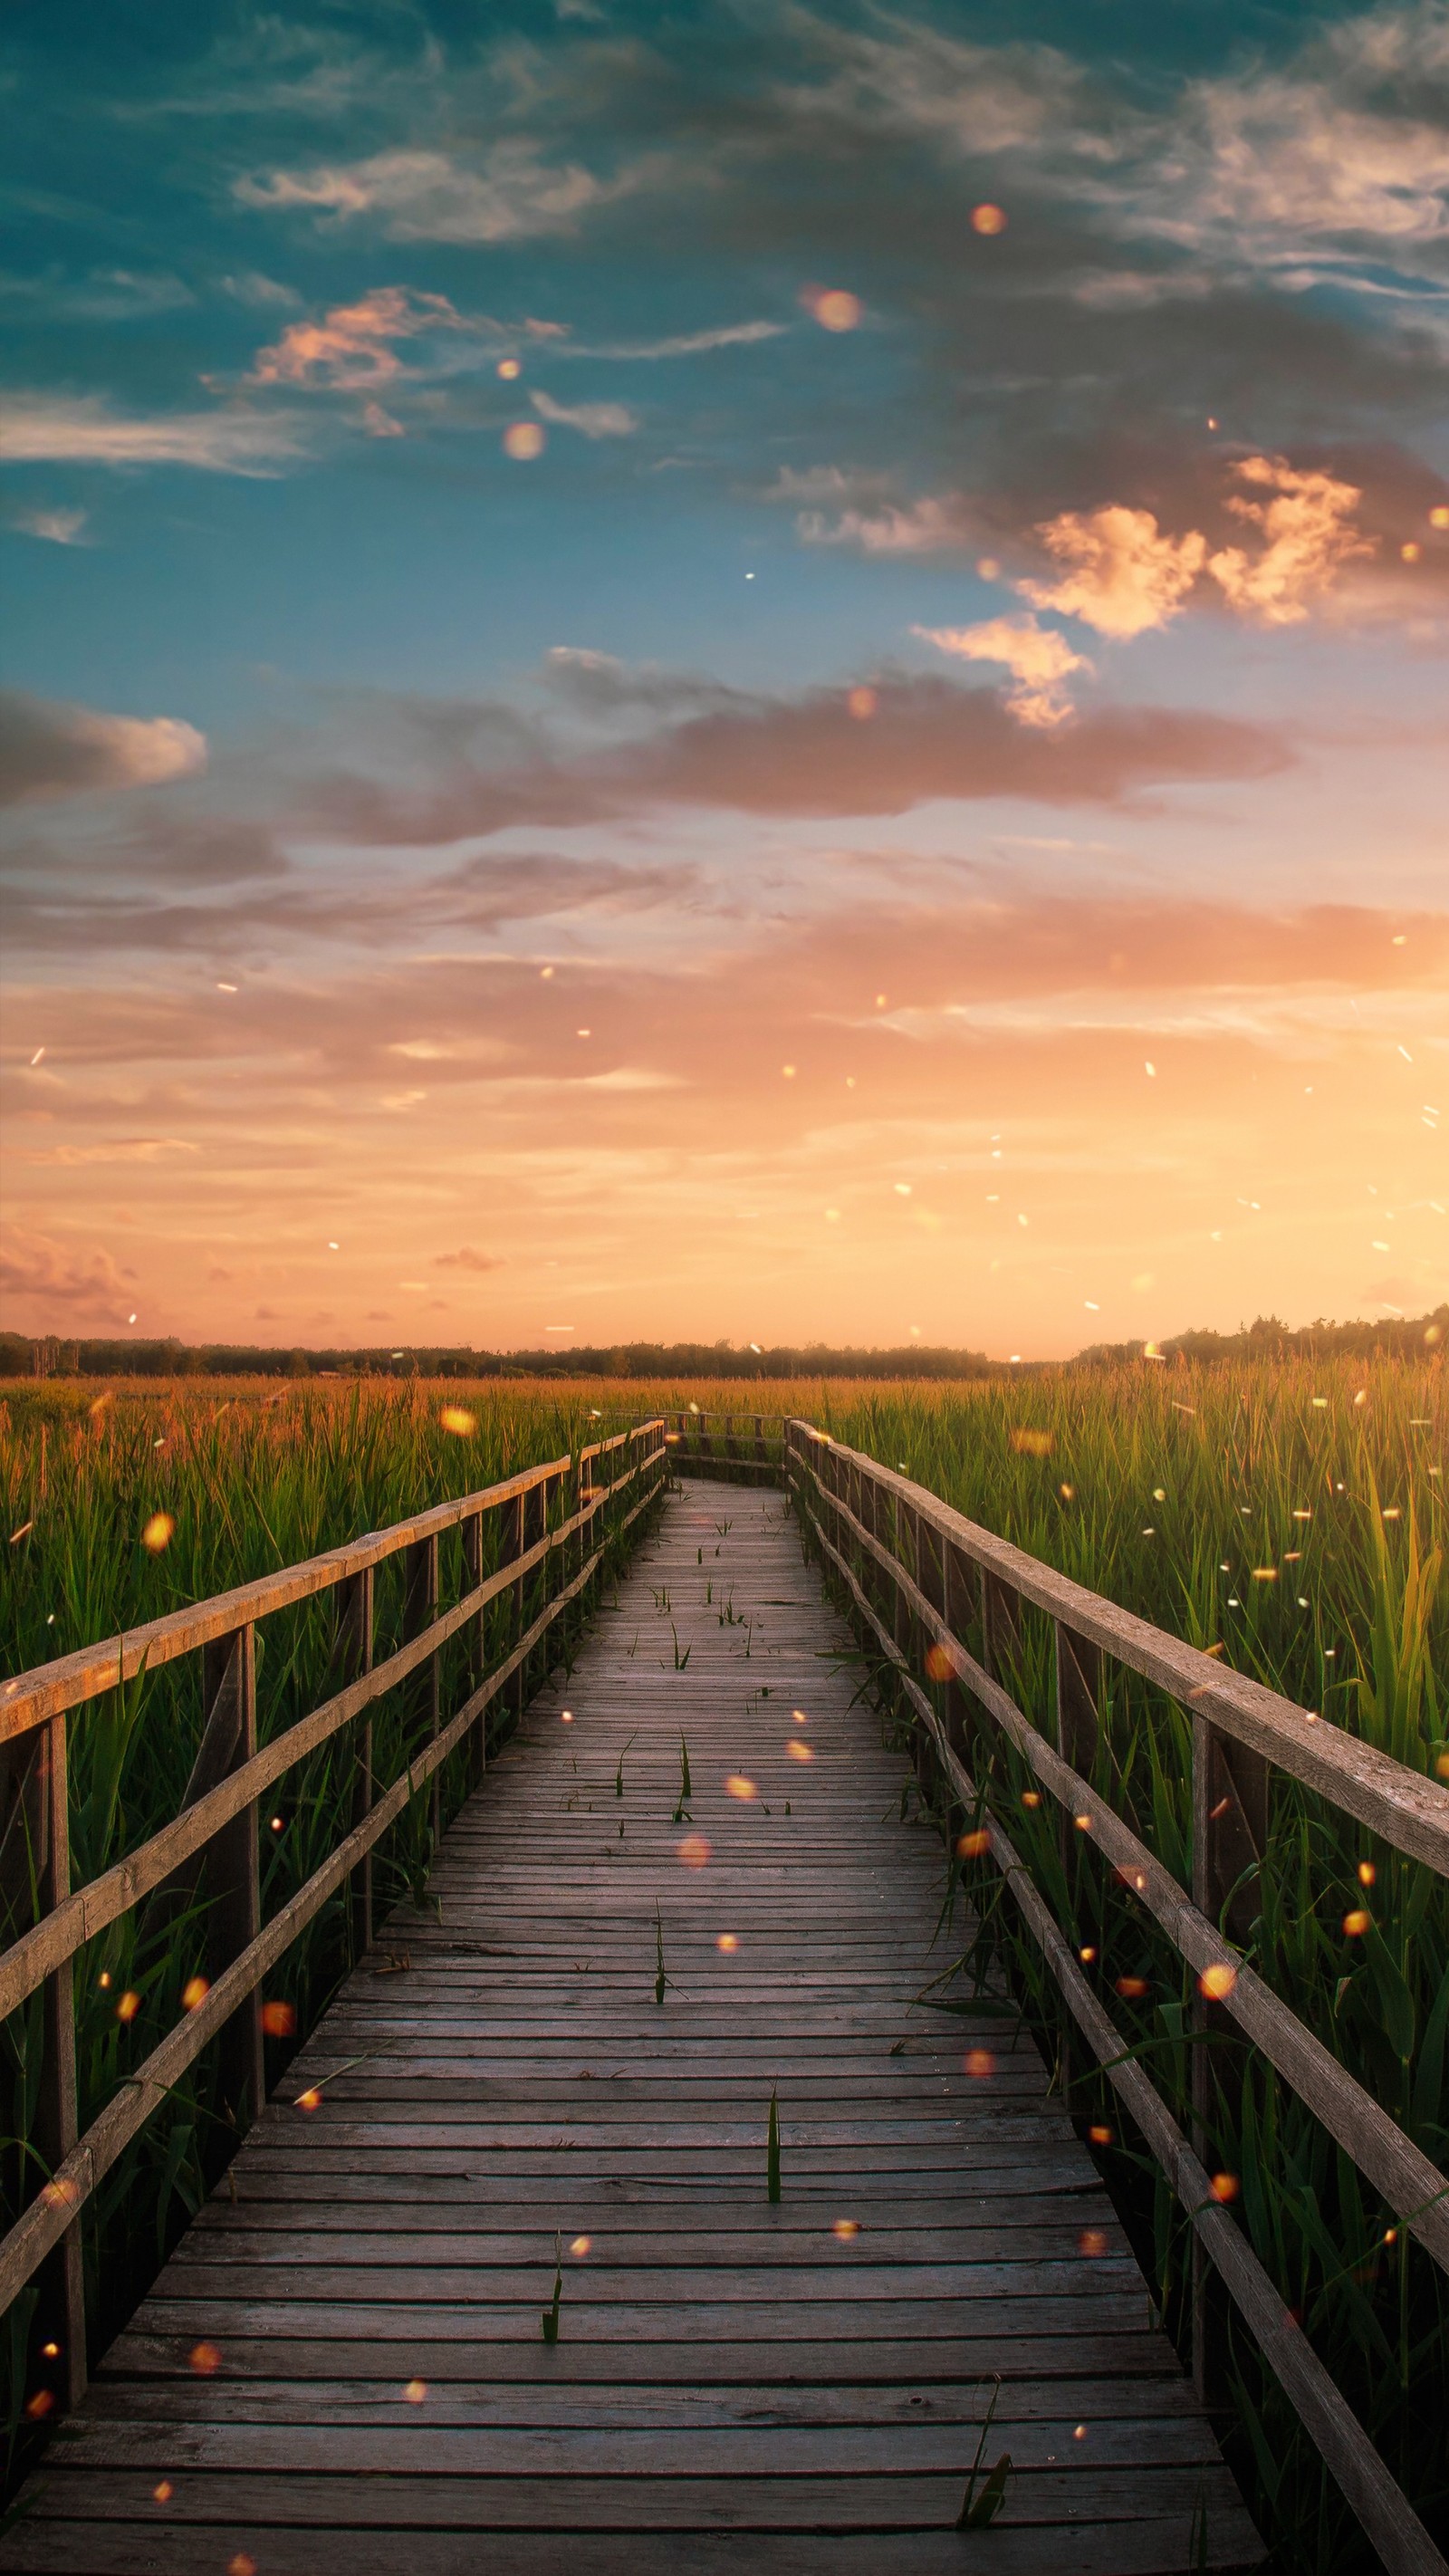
[251,1482]
[1291,1515]
[1171,1489]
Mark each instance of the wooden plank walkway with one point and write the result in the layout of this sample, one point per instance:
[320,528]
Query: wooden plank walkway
[342,2366]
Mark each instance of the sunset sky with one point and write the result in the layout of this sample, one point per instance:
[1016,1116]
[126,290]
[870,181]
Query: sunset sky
[762,671]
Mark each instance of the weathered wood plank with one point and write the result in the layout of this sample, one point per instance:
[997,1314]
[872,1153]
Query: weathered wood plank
[1155,2546]
[735,2387]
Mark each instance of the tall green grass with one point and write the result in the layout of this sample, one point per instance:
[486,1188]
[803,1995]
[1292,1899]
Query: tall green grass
[1168,1489]
[251,1485]
[1305,1538]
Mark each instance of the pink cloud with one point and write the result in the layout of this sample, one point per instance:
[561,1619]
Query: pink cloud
[81,1278]
[1038,659]
[350,349]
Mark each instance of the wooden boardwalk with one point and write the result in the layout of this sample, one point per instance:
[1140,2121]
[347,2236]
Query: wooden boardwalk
[342,2367]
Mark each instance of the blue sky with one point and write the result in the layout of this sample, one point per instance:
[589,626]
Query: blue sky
[552,558]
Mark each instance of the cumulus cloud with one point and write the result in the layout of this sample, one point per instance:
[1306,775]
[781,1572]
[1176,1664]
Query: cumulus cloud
[591,420]
[1308,527]
[351,349]
[51,749]
[82,429]
[509,194]
[1039,661]
[1123,574]
[1126,576]
[467,1259]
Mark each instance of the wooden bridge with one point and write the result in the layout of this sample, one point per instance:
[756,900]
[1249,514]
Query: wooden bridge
[631,2208]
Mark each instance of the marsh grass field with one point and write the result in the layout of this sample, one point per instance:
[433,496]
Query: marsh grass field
[1290,1513]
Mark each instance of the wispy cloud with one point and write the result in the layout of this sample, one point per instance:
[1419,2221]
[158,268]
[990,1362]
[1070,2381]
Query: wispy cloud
[119,1149]
[510,192]
[926,527]
[259,292]
[353,347]
[590,419]
[685,344]
[57,527]
[82,429]
[102,295]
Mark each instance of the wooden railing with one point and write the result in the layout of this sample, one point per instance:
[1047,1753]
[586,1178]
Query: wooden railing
[552,1525]
[916,1574]
[750,1446]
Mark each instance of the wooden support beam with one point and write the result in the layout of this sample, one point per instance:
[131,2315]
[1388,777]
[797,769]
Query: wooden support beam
[354,1650]
[420,1609]
[958,1585]
[477,1636]
[1078,1665]
[234,1908]
[57,2338]
[1000,1625]
[1230,1793]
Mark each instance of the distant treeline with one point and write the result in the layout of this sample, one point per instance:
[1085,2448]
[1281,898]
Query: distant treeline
[619,1359]
[1400,1337]
[1395,1337]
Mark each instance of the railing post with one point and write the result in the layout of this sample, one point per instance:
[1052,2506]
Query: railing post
[510,1545]
[354,1656]
[234,1913]
[914,1643]
[999,1631]
[420,1608]
[871,1574]
[956,1611]
[555,1570]
[584,1480]
[901,1622]
[532,1512]
[1078,1677]
[1230,1796]
[477,1639]
[58,2329]
[759,1440]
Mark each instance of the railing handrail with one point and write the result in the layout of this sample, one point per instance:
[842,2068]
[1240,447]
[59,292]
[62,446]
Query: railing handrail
[220,1804]
[1406,1808]
[1255,1719]
[31,1697]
